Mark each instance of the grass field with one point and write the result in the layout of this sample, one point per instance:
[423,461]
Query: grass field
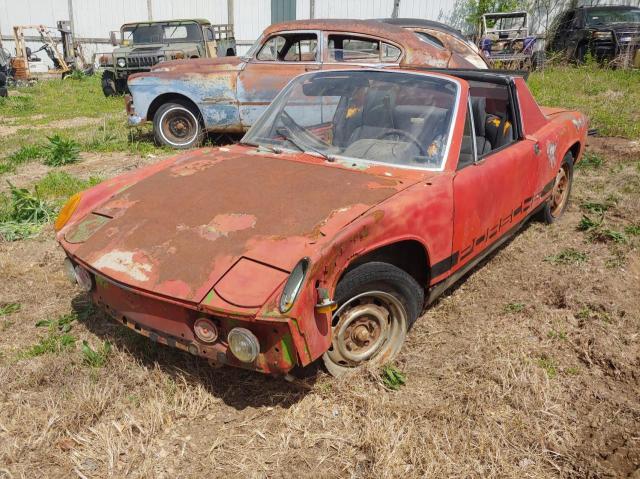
[528,368]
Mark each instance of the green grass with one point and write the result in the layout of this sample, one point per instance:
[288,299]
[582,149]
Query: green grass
[567,256]
[9,308]
[59,185]
[514,307]
[52,343]
[590,161]
[61,151]
[549,366]
[632,230]
[608,97]
[96,358]
[58,100]
[23,213]
[392,377]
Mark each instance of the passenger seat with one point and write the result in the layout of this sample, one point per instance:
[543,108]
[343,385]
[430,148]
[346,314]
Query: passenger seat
[479,110]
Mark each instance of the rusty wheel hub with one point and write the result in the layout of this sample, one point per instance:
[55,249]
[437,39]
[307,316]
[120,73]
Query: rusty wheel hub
[369,327]
[560,192]
[179,126]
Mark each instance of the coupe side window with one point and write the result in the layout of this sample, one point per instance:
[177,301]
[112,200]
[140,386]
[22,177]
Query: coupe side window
[292,47]
[352,49]
[493,116]
[468,147]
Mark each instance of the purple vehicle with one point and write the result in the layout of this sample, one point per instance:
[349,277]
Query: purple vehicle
[506,42]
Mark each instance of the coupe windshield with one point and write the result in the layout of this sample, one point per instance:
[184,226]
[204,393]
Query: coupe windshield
[615,15]
[402,119]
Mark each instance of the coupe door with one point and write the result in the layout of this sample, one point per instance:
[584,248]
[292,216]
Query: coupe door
[491,194]
[282,57]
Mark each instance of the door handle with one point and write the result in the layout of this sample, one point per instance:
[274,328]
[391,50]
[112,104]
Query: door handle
[312,67]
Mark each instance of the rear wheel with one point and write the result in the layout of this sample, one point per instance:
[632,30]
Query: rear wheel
[178,125]
[557,202]
[378,302]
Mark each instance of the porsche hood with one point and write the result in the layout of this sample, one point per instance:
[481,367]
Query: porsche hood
[179,231]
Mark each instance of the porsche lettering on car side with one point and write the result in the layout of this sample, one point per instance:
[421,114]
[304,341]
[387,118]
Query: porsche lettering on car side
[357,198]
[185,99]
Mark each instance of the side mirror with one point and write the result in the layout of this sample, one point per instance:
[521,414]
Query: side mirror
[113,39]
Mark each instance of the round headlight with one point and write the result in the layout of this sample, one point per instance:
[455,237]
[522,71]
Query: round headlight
[243,344]
[161,58]
[84,279]
[293,285]
[121,62]
[205,330]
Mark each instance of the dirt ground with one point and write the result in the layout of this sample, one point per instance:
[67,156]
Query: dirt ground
[528,368]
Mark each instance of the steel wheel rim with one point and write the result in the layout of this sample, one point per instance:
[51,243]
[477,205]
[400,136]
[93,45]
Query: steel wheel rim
[179,126]
[368,327]
[560,192]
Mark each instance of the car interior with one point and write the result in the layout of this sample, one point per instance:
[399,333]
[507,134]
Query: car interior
[492,121]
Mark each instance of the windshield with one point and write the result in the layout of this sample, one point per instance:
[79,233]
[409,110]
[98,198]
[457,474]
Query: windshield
[614,15]
[161,33]
[401,119]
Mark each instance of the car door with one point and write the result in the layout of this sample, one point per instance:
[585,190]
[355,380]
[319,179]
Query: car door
[492,192]
[282,56]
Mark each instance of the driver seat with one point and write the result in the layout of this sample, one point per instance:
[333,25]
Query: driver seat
[376,117]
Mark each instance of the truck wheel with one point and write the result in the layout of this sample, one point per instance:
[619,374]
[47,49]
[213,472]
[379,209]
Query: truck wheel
[557,203]
[377,304]
[108,84]
[121,87]
[178,125]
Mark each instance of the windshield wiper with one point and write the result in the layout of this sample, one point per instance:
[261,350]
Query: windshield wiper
[270,148]
[288,135]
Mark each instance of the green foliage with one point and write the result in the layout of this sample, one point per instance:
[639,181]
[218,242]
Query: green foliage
[76,75]
[549,366]
[9,308]
[609,98]
[23,214]
[567,256]
[61,185]
[17,104]
[53,343]
[590,161]
[392,377]
[553,334]
[476,8]
[632,230]
[61,151]
[595,207]
[514,307]
[63,324]
[589,224]
[96,358]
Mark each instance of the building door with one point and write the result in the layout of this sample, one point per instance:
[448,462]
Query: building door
[283,10]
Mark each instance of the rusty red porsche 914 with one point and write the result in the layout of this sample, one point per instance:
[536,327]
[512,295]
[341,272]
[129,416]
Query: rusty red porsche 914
[352,203]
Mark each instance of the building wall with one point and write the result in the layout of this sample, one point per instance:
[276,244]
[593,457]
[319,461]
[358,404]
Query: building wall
[94,19]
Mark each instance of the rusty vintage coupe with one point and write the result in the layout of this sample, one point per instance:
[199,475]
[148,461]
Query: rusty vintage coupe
[226,95]
[353,202]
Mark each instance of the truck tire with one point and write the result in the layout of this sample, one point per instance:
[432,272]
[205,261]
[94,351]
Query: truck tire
[178,124]
[109,84]
[377,303]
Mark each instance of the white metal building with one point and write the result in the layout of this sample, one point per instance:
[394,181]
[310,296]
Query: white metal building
[92,20]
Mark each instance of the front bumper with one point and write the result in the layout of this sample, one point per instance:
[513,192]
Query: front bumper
[170,323]
[133,118]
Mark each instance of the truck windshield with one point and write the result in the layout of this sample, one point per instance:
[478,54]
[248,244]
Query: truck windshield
[161,33]
[599,16]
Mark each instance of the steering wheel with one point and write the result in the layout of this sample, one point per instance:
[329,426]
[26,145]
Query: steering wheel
[401,133]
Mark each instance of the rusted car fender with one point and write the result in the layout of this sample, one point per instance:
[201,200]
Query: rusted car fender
[207,84]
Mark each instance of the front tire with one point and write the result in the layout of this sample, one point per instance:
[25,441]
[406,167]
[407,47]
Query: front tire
[109,84]
[377,304]
[557,203]
[178,125]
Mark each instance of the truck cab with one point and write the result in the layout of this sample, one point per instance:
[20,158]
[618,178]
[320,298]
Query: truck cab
[144,44]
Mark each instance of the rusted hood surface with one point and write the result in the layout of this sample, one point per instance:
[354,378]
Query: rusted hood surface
[180,230]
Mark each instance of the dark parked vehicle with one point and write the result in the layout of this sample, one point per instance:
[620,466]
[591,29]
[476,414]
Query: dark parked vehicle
[5,66]
[606,32]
